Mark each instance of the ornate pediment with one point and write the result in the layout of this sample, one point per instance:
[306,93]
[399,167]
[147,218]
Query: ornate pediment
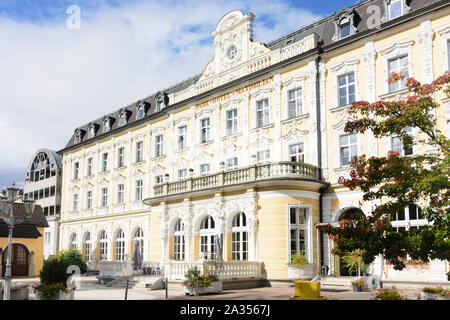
[233,44]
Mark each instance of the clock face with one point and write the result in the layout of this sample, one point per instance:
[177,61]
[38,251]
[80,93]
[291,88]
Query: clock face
[231,52]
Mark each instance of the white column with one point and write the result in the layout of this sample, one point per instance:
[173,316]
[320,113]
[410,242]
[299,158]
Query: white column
[313,143]
[369,59]
[276,99]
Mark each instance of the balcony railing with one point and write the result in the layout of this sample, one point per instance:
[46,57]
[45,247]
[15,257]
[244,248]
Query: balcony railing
[251,174]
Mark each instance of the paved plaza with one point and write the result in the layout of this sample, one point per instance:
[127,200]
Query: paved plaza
[90,289]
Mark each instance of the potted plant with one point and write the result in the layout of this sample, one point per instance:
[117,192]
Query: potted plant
[388,294]
[437,293]
[354,261]
[54,276]
[195,284]
[299,267]
[358,285]
[213,269]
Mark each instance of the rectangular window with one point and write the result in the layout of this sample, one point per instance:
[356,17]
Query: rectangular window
[298,229]
[232,163]
[120,157]
[139,151]
[344,30]
[104,197]
[296,153]
[397,144]
[76,168]
[398,65]
[263,156]
[262,113]
[182,137]
[182,173]
[346,89]
[75,202]
[205,130]
[139,189]
[295,103]
[395,9]
[89,167]
[159,146]
[120,193]
[104,161]
[89,200]
[204,169]
[348,148]
[159,179]
[231,123]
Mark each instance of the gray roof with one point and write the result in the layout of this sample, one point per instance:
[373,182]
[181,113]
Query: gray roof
[324,28]
[54,157]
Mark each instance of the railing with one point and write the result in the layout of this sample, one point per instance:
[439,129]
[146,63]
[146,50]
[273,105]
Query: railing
[255,173]
[248,67]
[175,270]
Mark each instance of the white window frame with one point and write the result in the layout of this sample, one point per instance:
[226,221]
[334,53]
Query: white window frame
[262,113]
[120,193]
[297,101]
[401,8]
[232,166]
[89,199]
[400,84]
[238,231]
[75,199]
[347,91]
[139,236]
[120,157]
[89,166]
[73,242]
[87,247]
[120,246]
[104,161]
[159,179]
[182,174]
[390,144]
[202,170]
[263,156]
[179,243]
[349,145]
[139,151]
[76,170]
[182,137]
[233,121]
[307,227]
[343,68]
[300,156]
[407,223]
[206,239]
[103,246]
[159,145]
[139,188]
[104,197]
[205,130]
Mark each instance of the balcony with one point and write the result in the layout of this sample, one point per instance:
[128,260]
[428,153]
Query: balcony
[260,174]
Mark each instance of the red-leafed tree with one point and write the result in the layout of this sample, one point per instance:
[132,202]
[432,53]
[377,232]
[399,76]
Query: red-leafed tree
[398,181]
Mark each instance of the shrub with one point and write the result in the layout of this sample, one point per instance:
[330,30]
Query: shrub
[48,291]
[438,290]
[359,283]
[54,270]
[194,279]
[298,260]
[388,294]
[73,257]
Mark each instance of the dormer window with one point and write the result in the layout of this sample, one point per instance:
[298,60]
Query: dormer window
[142,108]
[159,105]
[92,130]
[395,8]
[344,22]
[78,135]
[161,101]
[106,125]
[123,117]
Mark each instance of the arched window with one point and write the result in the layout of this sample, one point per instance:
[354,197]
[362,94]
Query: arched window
[87,247]
[351,214]
[73,242]
[239,237]
[206,233]
[103,246]
[139,236]
[178,240]
[120,245]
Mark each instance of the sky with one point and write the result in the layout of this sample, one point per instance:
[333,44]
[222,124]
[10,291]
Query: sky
[58,72]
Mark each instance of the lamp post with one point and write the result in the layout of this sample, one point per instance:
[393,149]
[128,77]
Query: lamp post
[7,215]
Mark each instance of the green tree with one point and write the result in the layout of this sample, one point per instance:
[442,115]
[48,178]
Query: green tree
[400,181]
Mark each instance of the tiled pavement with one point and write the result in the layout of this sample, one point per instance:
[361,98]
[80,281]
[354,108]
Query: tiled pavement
[89,289]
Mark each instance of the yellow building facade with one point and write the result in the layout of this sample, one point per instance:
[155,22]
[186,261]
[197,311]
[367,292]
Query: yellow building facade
[242,162]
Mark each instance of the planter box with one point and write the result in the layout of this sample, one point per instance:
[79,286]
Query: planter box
[194,291]
[216,287]
[61,295]
[432,296]
[357,289]
[305,272]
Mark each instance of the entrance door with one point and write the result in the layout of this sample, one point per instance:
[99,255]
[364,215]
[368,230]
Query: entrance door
[19,261]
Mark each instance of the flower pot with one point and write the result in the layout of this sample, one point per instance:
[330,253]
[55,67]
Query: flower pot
[195,291]
[357,289]
[216,287]
[432,296]
[60,296]
[305,272]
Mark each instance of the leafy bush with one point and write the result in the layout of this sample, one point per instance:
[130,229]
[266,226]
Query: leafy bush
[73,257]
[388,294]
[438,290]
[195,279]
[54,270]
[298,260]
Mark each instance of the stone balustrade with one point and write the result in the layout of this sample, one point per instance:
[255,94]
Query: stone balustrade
[251,174]
[175,270]
[115,268]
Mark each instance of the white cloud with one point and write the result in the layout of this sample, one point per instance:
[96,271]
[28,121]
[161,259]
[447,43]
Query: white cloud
[54,79]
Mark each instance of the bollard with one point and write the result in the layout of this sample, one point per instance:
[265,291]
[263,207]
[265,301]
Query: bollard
[307,290]
[167,288]
[126,290]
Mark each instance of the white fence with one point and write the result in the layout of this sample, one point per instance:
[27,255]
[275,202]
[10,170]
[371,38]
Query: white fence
[175,270]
